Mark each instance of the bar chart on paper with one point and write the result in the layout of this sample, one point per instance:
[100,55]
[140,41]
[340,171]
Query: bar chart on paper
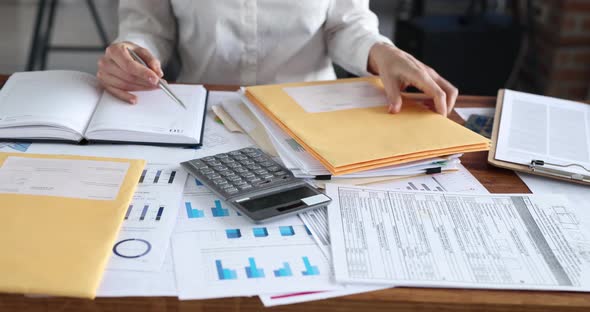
[157,176]
[14,147]
[149,219]
[221,270]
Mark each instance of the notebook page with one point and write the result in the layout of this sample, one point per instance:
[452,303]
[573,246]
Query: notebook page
[154,113]
[544,128]
[56,98]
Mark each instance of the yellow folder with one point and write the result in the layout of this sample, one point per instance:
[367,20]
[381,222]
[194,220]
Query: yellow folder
[60,245]
[358,139]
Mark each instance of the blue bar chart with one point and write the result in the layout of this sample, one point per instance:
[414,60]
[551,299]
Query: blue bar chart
[193,213]
[129,209]
[218,210]
[144,212]
[224,274]
[309,269]
[260,232]
[157,177]
[233,233]
[160,212]
[286,230]
[252,271]
[171,178]
[284,271]
[142,177]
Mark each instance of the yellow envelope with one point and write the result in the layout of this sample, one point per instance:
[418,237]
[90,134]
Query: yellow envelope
[60,245]
[358,139]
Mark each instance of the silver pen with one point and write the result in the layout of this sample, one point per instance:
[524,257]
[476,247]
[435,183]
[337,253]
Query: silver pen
[161,83]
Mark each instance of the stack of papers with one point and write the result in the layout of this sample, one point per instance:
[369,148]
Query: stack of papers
[275,141]
[345,126]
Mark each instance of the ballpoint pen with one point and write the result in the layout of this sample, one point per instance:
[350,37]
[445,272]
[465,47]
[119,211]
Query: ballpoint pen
[161,83]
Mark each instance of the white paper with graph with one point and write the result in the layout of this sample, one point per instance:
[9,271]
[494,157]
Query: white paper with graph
[433,239]
[219,253]
[150,219]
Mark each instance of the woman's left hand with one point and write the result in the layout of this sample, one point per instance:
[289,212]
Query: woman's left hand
[398,70]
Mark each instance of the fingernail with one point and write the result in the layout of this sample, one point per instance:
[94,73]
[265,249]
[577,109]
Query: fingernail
[133,101]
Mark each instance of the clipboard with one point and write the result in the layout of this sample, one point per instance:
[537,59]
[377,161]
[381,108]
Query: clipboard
[537,167]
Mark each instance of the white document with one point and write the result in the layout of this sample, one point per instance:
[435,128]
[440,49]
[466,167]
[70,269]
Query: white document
[458,240]
[150,219]
[575,193]
[214,246]
[544,128]
[36,95]
[461,181]
[120,283]
[86,179]
[335,97]
[155,117]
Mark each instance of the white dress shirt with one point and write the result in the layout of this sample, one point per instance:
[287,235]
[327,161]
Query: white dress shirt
[248,42]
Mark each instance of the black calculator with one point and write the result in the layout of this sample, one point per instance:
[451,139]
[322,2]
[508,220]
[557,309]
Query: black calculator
[253,183]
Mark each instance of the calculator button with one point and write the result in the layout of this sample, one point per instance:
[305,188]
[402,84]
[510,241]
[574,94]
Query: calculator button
[226,173]
[221,156]
[267,176]
[254,180]
[247,175]
[249,150]
[247,162]
[208,159]
[240,157]
[260,171]
[215,163]
[198,164]
[220,181]
[220,168]
[241,182]
[207,171]
[213,176]
[234,165]
[279,173]
[245,187]
[273,168]
[232,190]
[227,160]
[267,163]
[240,170]
[234,153]
[253,167]
[234,178]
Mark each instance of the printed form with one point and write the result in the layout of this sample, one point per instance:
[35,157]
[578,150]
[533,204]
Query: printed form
[457,240]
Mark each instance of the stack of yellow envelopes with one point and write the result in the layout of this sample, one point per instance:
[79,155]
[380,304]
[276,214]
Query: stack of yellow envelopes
[347,135]
[59,245]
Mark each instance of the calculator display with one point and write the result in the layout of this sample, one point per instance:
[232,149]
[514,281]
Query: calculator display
[283,201]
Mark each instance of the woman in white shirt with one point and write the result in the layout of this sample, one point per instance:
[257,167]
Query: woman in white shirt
[249,42]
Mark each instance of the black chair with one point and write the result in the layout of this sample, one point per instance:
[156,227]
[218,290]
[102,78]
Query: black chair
[41,45]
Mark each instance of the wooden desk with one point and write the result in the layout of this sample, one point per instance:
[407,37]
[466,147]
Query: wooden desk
[397,299]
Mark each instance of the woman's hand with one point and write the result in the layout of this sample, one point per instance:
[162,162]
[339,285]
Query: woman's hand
[119,73]
[398,70]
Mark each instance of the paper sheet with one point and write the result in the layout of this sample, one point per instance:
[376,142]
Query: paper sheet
[276,300]
[121,283]
[85,179]
[214,245]
[544,128]
[150,219]
[459,181]
[329,98]
[486,241]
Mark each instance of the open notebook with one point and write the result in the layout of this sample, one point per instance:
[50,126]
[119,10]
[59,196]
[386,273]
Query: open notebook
[71,106]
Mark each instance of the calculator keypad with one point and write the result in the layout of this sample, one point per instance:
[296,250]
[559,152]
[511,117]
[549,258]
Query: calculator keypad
[240,171]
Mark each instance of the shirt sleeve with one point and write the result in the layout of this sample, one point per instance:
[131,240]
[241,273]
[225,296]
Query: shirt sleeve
[351,30]
[150,24]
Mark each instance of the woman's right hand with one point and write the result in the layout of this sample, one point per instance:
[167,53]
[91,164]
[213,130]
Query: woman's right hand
[118,73]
